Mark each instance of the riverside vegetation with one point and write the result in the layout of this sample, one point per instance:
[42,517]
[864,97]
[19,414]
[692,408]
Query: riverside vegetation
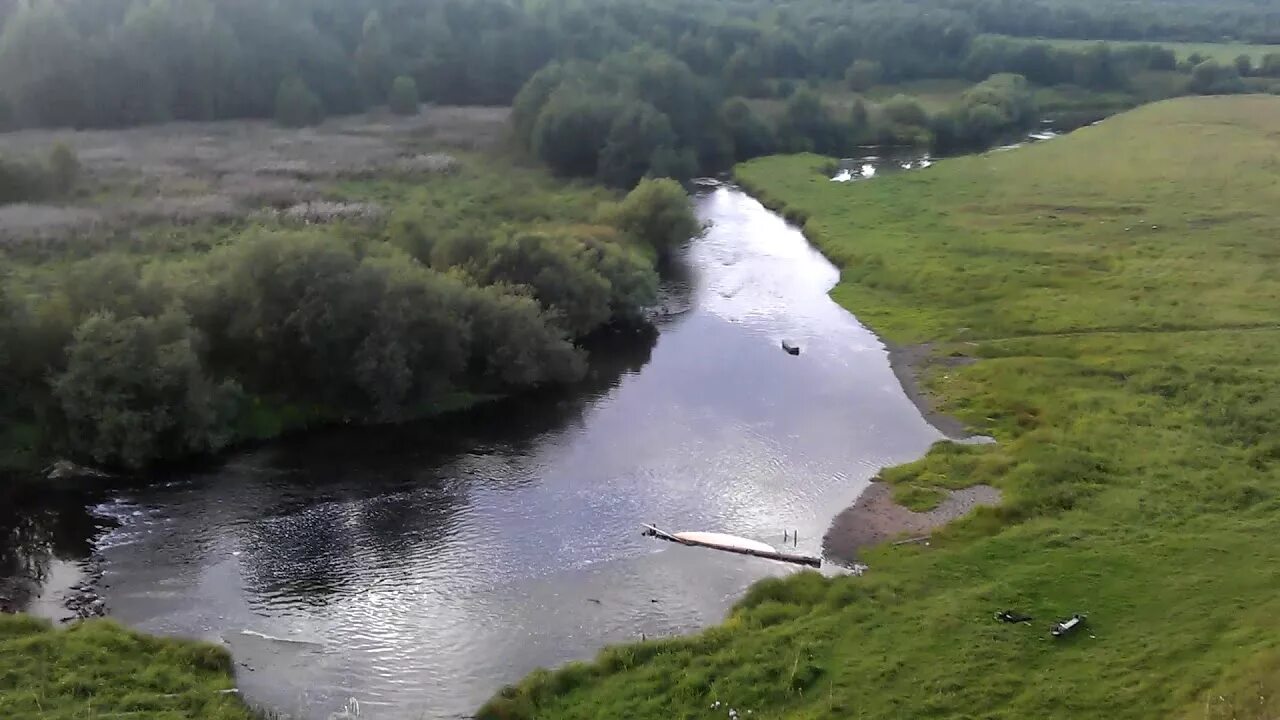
[393,296]
[1118,291]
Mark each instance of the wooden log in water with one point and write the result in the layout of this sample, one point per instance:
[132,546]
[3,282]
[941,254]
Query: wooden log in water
[761,551]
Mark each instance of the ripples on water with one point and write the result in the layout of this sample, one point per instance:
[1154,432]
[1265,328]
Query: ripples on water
[419,568]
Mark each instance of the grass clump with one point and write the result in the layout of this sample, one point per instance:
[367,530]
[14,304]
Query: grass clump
[98,669]
[918,498]
[1120,290]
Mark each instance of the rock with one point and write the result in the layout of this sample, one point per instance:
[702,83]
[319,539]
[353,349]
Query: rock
[67,470]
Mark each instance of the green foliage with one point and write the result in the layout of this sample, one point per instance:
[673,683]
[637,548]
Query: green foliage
[1244,66]
[863,75]
[571,129]
[297,105]
[22,181]
[1133,430]
[83,63]
[807,124]
[637,134]
[635,114]
[477,286]
[99,669]
[1270,66]
[917,498]
[64,170]
[658,213]
[1211,78]
[750,134]
[403,98]
[995,107]
[134,390]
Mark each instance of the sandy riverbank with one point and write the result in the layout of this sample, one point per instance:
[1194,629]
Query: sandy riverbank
[875,517]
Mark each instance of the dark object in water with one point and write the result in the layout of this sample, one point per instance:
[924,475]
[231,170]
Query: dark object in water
[1011,616]
[791,349]
[1068,626]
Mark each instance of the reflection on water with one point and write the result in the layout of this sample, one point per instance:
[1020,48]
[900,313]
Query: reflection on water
[421,567]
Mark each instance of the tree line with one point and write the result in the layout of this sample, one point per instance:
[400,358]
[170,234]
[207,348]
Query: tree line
[128,359]
[105,63]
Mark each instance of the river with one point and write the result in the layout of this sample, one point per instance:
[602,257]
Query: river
[418,569]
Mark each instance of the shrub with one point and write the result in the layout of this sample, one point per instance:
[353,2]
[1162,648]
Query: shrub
[658,213]
[403,98]
[297,105]
[64,169]
[135,390]
[862,75]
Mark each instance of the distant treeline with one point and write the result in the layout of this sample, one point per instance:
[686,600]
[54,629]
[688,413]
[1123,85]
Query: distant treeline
[124,62]
[123,359]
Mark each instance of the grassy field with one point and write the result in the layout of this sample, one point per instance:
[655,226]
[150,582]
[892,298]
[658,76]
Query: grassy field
[1119,289]
[1222,52]
[99,671]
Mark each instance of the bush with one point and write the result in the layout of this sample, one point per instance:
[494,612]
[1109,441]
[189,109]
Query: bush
[134,390]
[64,169]
[22,181]
[658,213]
[1211,78]
[403,98]
[863,75]
[1270,66]
[296,105]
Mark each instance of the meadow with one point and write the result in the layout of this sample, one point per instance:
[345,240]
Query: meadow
[1119,292]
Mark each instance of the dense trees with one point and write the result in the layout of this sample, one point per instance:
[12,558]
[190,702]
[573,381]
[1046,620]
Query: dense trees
[124,359]
[638,113]
[93,63]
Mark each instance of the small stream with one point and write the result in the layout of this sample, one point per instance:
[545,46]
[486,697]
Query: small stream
[419,568]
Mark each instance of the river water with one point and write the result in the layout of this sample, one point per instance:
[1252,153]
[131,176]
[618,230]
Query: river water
[420,568]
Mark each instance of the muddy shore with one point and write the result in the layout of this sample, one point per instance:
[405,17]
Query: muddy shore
[875,517]
[909,362]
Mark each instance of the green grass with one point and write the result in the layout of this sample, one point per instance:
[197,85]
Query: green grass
[933,95]
[917,497]
[1222,52]
[1120,291]
[98,670]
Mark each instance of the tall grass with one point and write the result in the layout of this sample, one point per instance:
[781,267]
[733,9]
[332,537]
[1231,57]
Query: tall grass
[99,670]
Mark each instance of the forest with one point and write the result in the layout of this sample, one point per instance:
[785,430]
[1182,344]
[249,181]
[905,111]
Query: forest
[94,63]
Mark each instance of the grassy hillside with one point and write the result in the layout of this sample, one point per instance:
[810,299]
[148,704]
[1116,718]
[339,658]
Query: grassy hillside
[1119,291]
[100,670]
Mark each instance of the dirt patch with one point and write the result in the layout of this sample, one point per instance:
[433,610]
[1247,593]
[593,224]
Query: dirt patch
[875,517]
